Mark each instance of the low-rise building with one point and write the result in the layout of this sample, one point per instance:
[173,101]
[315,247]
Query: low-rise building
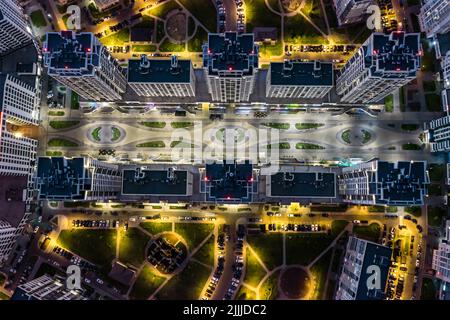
[295,79]
[364,271]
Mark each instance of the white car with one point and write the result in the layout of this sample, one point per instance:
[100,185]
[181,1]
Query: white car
[100,281]
[87,280]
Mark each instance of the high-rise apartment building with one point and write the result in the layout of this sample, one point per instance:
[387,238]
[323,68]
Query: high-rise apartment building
[435,16]
[14,29]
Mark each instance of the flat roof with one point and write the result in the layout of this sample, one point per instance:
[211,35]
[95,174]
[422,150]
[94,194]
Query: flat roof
[60,177]
[11,199]
[295,73]
[379,256]
[229,181]
[303,184]
[159,71]
[230,52]
[443,43]
[154,182]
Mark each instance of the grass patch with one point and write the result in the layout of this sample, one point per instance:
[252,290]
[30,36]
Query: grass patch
[204,11]
[53,153]
[310,245]
[258,15]
[62,124]
[389,103]
[416,211]
[345,136]
[59,142]
[153,124]
[132,246]
[156,227]
[146,283]
[436,172]
[117,39]
[434,190]
[337,226]
[74,101]
[195,44]
[366,136]
[162,10]
[115,134]
[168,46]
[277,125]
[193,233]
[298,30]
[143,48]
[245,294]
[433,102]
[269,289]
[319,272]
[268,50]
[97,246]
[187,285]
[38,19]
[308,146]
[254,272]
[206,253]
[303,126]
[268,247]
[56,113]
[281,146]
[181,124]
[96,134]
[428,291]
[436,215]
[151,144]
[411,146]
[370,232]
[409,126]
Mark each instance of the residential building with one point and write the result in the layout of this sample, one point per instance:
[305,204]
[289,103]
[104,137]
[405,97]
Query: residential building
[383,64]
[442,48]
[161,78]
[441,257]
[352,11]
[7,233]
[230,62]
[80,62]
[82,178]
[378,182]
[435,16]
[47,288]
[437,134]
[295,79]
[14,29]
[364,272]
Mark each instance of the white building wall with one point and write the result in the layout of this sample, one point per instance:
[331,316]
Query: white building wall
[14,29]
[435,17]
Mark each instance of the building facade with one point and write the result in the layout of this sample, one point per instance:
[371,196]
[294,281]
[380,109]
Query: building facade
[351,11]
[441,257]
[60,178]
[80,62]
[437,134]
[384,183]
[295,79]
[14,28]
[435,16]
[7,233]
[230,62]
[382,65]
[161,78]
[47,288]
[362,260]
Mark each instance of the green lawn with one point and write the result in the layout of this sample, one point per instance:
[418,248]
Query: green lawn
[409,126]
[152,144]
[308,146]
[96,134]
[115,134]
[389,103]
[204,11]
[269,289]
[74,101]
[153,124]
[193,233]
[162,10]
[281,146]
[143,48]
[436,172]
[59,142]
[411,146]
[254,272]
[436,215]
[146,283]
[267,49]
[258,15]
[319,271]
[38,19]
[346,136]
[309,245]
[434,190]
[428,291]
[366,136]
[416,211]
[277,125]
[117,39]
[298,30]
[337,226]
[156,227]
[181,124]
[63,124]
[206,253]
[56,113]
[97,246]
[195,44]
[268,247]
[433,102]
[245,294]
[168,46]
[370,232]
[132,246]
[303,126]
[187,285]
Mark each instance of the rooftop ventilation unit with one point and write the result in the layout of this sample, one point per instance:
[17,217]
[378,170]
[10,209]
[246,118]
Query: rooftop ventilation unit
[144,66]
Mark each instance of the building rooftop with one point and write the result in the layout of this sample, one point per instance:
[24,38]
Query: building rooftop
[295,73]
[379,256]
[230,52]
[442,44]
[229,182]
[394,55]
[155,182]
[159,71]
[59,177]
[303,184]
[11,199]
